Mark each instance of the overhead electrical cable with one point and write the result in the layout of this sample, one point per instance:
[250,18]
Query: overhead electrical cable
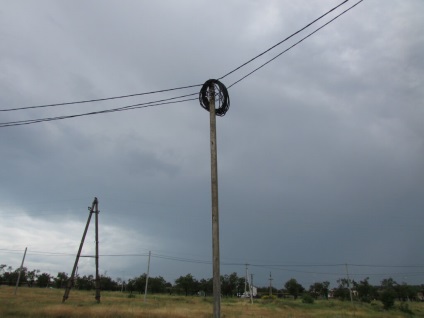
[281,42]
[135,106]
[184,259]
[298,42]
[100,99]
[280,267]
[181,259]
[176,88]
[165,101]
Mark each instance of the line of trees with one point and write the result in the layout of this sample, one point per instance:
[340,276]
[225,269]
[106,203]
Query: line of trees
[34,278]
[387,292]
[187,285]
[231,285]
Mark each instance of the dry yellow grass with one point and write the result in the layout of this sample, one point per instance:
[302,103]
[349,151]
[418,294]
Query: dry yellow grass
[46,303]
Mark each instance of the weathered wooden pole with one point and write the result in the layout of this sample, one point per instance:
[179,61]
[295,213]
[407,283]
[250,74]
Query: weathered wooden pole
[97,252]
[215,212]
[71,279]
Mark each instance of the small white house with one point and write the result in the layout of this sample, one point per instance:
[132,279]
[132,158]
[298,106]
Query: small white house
[246,294]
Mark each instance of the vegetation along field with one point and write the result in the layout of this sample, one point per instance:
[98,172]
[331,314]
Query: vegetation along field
[47,302]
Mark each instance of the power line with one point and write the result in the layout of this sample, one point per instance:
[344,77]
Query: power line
[164,101]
[181,259]
[280,267]
[130,107]
[176,88]
[100,99]
[298,42]
[176,258]
[281,42]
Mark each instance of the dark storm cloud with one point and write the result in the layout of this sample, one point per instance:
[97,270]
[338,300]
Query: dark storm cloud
[320,155]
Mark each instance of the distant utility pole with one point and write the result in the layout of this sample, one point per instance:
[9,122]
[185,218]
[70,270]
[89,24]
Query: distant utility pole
[251,288]
[97,251]
[20,271]
[147,276]
[270,284]
[94,209]
[248,283]
[348,286]
[245,282]
[207,99]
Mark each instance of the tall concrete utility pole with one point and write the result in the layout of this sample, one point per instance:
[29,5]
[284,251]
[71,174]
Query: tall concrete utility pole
[20,271]
[215,212]
[147,277]
[207,101]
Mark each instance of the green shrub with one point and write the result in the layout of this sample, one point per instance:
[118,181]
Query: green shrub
[404,307]
[269,297]
[388,298]
[307,299]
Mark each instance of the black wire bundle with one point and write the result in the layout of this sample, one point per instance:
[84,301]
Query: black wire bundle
[221,97]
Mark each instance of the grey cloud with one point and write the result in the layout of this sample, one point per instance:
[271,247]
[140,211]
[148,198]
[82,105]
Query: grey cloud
[320,155]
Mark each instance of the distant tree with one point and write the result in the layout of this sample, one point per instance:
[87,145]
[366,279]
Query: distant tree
[85,282]
[264,291]
[293,288]
[23,277]
[140,283]
[342,292]
[130,285]
[60,280]
[206,285]
[240,284]
[387,297]
[319,290]
[388,293]
[406,292]
[419,289]
[366,292]
[187,283]
[32,277]
[156,285]
[388,283]
[168,288]
[229,284]
[120,283]
[10,276]
[107,283]
[44,280]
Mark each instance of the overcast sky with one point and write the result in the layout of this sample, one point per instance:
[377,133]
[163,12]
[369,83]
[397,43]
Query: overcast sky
[320,154]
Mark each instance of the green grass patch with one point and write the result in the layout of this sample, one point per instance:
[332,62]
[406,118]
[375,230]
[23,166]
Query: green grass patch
[47,303]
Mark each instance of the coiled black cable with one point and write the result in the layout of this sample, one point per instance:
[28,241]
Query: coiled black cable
[221,97]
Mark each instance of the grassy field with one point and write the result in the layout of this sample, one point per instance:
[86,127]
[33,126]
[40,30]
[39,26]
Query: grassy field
[35,302]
